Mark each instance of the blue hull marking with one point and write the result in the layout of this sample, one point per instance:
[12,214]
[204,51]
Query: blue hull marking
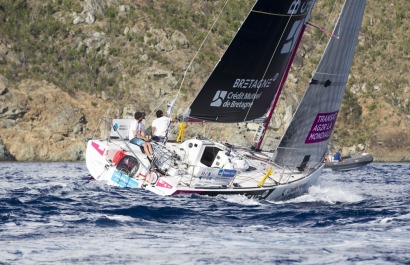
[230,173]
[123,180]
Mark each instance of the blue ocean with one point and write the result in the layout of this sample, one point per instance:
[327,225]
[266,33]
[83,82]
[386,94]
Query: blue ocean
[51,213]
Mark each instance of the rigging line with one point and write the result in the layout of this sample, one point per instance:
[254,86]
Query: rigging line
[328,20]
[282,84]
[128,147]
[208,134]
[323,30]
[200,47]
[326,26]
[270,62]
[220,130]
[338,25]
[159,104]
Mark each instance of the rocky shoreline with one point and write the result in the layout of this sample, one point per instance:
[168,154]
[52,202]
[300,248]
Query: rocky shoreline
[122,50]
[40,122]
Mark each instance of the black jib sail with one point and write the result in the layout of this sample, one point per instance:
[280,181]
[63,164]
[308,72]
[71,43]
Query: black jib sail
[246,80]
[305,141]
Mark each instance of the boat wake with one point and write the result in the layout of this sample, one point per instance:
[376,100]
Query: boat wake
[327,194]
[346,216]
[324,192]
[241,199]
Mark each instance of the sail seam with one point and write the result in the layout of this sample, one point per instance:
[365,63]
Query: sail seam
[277,14]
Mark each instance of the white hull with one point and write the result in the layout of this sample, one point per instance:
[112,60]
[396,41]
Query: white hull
[180,169]
[235,92]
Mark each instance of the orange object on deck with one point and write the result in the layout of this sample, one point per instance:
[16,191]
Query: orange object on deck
[117,157]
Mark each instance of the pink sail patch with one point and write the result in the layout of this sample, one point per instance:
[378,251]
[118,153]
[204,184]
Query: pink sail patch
[163,184]
[98,148]
[322,127]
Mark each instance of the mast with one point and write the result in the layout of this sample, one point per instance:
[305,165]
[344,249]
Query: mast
[259,140]
[305,141]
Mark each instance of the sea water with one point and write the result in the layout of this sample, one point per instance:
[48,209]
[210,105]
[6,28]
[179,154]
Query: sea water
[51,213]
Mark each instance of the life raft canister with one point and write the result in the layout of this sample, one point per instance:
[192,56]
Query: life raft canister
[117,157]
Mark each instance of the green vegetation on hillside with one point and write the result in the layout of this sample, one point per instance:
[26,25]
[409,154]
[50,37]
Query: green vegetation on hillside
[45,44]
[52,48]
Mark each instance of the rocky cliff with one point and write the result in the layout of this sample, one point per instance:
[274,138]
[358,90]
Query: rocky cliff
[65,64]
[41,122]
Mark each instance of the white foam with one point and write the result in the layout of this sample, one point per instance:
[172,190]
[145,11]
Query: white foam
[328,194]
[241,199]
[120,218]
[390,220]
[386,221]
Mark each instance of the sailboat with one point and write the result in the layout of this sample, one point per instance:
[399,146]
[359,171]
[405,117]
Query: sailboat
[243,87]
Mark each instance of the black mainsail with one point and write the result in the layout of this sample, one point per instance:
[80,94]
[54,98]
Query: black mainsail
[305,141]
[246,79]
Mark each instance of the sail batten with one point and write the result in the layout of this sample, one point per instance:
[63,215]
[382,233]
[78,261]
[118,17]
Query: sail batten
[330,74]
[276,14]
